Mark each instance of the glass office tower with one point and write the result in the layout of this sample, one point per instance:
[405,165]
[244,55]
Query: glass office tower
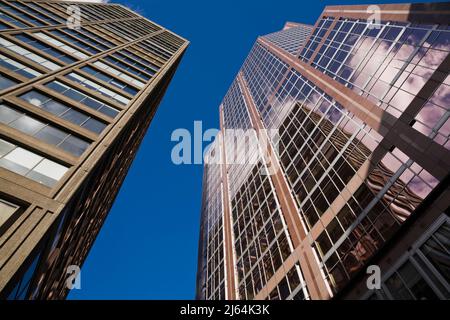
[76,101]
[361,107]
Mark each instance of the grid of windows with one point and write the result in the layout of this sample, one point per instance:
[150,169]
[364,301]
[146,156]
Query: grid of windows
[291,286]
[17,49]
[388,196]
[424,272]
[36,11]
[46,48]
[97,88]
[130,30]
[10,19]
[64,91]
[18,67]
[39,8]
[83,98]
[21,15]
[122,75]
[316,38]
[387,63]
[321,147]
[97,12]
[149,46]
[148,65]
[64,47]
[100,75]
[42,131]
[235,110]
[134,67]
[263,72]
[63,111]
[353,186]
[261,239]
[212,211]
[73,40]
[240,150]
[29,164]
[93,39]
[433,119]
[290,40]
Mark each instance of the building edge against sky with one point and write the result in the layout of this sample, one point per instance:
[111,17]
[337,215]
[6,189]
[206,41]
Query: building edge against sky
[75,106]
[363,120]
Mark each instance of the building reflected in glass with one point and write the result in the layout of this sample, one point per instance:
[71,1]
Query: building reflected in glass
[362,112]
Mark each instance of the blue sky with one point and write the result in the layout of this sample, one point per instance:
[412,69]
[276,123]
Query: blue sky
[147,248]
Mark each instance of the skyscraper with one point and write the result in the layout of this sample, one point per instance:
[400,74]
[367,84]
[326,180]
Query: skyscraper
[79,85]
[360,102]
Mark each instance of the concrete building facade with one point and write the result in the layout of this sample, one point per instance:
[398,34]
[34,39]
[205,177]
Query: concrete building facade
[79,85]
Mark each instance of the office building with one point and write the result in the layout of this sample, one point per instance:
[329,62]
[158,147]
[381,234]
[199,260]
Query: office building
[361,107]
[79,86]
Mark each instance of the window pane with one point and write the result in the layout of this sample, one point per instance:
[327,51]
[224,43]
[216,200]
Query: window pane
[6,210]
[5,147]
[75,117]
[23,157]
[51,135]
[51,169]
[30,165]
[6,83]
[7,114]
[74,145]
[55,107]
[27,125]
[35,98]
[94,125]
[438,250]
[416,283]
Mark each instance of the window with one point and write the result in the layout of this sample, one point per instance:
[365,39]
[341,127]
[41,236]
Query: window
[134,60]
[406,284]
[120,74]
[7,209]
[28,54]
[2,25]
[17,67]
[62,111]
[42,131]
[44,47]
[437,250]
[111,80]
[37,12]
[98,88]
[47,12]
[74,41]
[24,16]
[88,36]
[6,82]
[12,20]
[30,165]
[422,273]
[83,98]
[61,45]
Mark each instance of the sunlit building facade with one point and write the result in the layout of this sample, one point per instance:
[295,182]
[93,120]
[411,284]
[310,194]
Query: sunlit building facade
[79,85]
[361,108]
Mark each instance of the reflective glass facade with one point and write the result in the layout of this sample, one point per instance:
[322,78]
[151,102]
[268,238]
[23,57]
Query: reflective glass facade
[361,111]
